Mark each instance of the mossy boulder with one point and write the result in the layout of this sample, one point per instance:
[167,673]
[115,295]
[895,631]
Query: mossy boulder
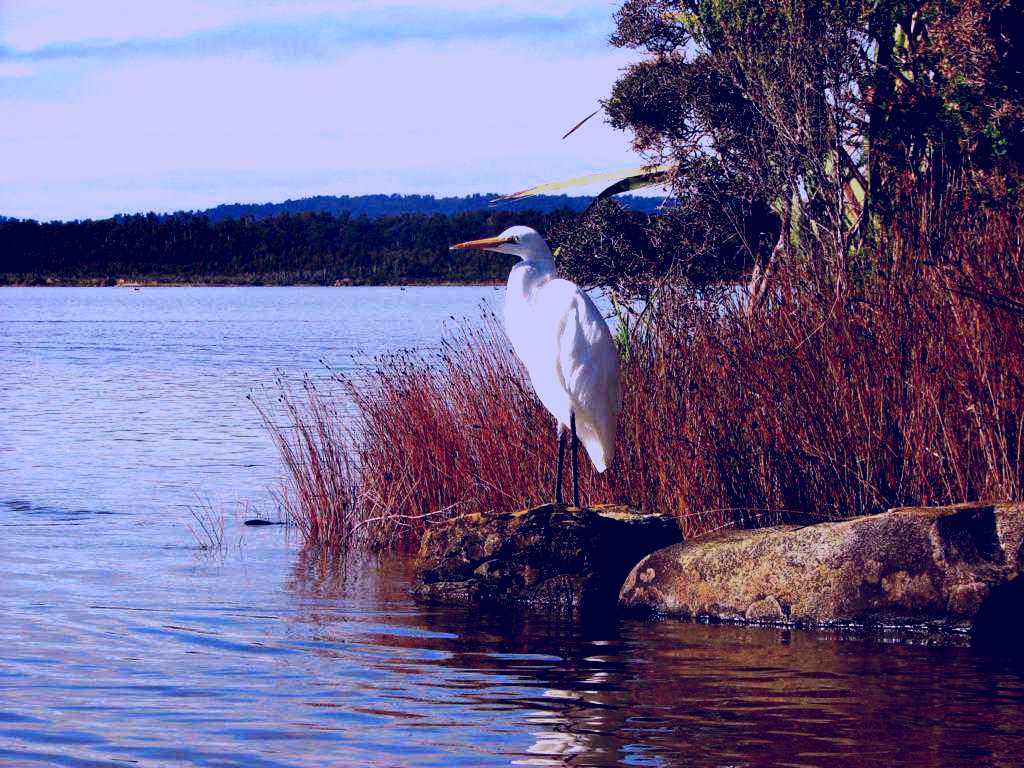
[950,566]
[554,557]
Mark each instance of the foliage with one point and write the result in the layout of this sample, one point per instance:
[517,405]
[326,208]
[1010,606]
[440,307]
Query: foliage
[902,388]
[905,389]
[631,253]
[796,125]
[376,206]
[865,156]
[374,460]
[313,248]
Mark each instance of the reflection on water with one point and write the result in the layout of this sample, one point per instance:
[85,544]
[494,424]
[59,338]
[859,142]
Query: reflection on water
[149,654]
[155,655]
[120,644]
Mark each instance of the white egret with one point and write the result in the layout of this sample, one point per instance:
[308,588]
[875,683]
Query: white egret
[566,346]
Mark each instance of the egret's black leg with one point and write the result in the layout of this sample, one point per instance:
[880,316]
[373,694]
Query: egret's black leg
[561,462]
[575,461]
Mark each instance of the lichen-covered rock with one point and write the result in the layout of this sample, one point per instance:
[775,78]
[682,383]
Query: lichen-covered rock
[908,566]
[549,556]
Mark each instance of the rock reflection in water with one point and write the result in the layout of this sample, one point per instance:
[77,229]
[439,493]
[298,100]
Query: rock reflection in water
[547,691]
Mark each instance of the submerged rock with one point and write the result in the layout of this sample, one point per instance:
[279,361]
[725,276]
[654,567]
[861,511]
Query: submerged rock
[950,567]
[555,557]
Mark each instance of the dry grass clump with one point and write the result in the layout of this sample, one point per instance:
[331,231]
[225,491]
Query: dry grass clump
[904,385]
[207,526]
[419,437]
[320,495]
[900,383]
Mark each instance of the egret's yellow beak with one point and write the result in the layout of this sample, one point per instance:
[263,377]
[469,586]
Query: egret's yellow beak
[483,244]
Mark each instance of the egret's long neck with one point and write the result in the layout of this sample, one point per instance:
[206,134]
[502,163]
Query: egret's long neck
[527,276]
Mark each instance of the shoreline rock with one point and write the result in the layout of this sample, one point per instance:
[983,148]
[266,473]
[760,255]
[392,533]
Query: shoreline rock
[556,558]
[949,568]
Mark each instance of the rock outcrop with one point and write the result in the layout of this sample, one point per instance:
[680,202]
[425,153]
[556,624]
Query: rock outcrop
[561,558]
[949,567]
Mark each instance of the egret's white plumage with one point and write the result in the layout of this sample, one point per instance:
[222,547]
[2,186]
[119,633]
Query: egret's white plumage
[564,342]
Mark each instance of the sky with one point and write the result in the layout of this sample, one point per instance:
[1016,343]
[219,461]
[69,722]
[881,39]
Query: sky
[116,106]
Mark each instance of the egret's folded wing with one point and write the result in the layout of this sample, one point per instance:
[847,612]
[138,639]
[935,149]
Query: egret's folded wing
[589,366]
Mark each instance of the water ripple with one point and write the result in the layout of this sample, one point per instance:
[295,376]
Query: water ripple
[122,644]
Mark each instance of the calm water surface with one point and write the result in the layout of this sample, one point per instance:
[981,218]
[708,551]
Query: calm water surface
[122,644]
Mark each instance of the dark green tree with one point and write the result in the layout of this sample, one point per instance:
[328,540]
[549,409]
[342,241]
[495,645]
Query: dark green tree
[798,126]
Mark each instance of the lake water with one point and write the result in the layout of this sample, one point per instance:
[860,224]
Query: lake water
[123,644]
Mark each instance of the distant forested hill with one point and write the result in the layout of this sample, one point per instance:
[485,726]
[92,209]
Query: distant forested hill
[317,248]
[393,205]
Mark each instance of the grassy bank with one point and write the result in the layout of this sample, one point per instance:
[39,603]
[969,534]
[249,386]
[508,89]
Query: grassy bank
[897,381]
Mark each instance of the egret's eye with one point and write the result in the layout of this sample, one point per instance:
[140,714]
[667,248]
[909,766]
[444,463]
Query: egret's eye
[513,239]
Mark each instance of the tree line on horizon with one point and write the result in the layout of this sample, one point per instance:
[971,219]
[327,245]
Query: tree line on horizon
[378,205]
[304,248]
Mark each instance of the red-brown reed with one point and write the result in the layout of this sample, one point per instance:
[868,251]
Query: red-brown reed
[901,384]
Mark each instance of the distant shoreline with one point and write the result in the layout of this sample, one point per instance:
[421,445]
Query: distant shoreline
[289,249]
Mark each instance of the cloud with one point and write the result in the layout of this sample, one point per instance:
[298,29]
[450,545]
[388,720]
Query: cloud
[322,37]
[55,27]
